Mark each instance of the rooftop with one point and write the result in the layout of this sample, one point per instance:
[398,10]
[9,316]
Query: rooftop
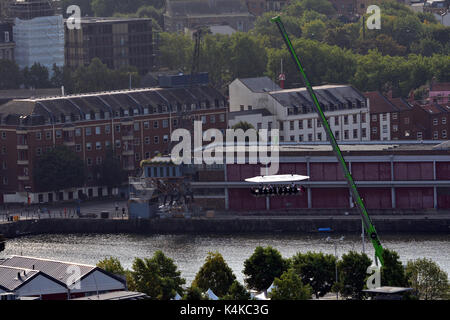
[205,7]
[260,84]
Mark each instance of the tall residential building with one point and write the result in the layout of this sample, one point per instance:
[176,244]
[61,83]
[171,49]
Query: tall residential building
[38,33]
[116,42]
[260,102]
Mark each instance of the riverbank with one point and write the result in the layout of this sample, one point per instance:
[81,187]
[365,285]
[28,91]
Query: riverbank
[228,224]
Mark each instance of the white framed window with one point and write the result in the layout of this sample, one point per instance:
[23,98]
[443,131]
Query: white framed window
[107,129]
[156,139]
[78,147]
[146,125]
[444,134]
[147,140]
[88,146]
[435,135]
[165,138]
[165,123]
[203,119]
[88,131]
[435,121]
[394,115]
[136,126]
[98,130]
[395,128]
[98,145]
[39,135]
[419,135]
[374,129]
[222,117]
[374,118]
[444,120]
[155,124]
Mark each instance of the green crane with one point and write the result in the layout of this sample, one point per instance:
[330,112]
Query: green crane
[368,226]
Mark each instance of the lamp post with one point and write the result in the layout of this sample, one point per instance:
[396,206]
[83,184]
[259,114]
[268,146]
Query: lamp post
[328,239]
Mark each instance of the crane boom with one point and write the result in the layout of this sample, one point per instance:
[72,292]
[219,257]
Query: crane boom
[368,225]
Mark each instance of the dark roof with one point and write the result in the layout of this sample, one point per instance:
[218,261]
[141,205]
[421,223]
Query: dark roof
[205,7]
[260,84]
[50,109]
[117,295]
[9,280]
[400,103]
[379,103]
[262,111]
[331,97]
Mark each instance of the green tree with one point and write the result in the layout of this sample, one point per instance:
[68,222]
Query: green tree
[110,173]
[316,269]
[392,272]
[298,7]
[111,264]
[157,277]
[36,77]
[194,293]
[244,125]
[215,274]
[427,279]
[237,292]
[314,30]
[248,56]
[352,270]
[290,287]
[176,51]
[427,47]
[58,169]
[10,75]
[263,266]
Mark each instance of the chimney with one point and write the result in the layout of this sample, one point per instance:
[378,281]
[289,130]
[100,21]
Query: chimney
[32,267]
[18,275]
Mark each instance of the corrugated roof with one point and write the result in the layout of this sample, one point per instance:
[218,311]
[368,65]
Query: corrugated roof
[10,280]
[57,270]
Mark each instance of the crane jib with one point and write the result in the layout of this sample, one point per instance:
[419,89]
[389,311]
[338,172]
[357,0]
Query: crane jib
[368,226]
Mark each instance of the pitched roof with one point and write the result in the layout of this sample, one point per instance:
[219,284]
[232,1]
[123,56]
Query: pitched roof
[260,84]
[264,112]
[379,103]
[57,270]
[10,280]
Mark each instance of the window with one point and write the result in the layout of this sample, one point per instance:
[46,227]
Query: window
[250,108]
[98,130]
[355,133]
[374,129]
[435,121]
[3,150]
[384,116]
[310,137]
[165,123]
[212,119]
[147,155]
[38,135]
[48,135]
[98,145]
[156,139]
[88,146]
[300,124]
[345,120]
[363,117]
[136,126]
[355,118]
[374,118]
[118,143]
[291,125]
[319,123]
[419,135]
[78,132]
[88,131]
[319,136]
[146,125]
[269,125]
[147,140]
[395,128]
[394,116]
[363,133]
[292,138]
[385,129]
[107,144]
[300,138]
[435,135]
[38,151]
[309,123]
[241,107]
[5,180]
[444,120]
[259,125]
[118,128]
[336,135]
[203,119]
[166,138]
[98,160]
[155,124]
[336,121]
[3,135]
[407,120]
[444,134]
[107,129]
[89,161]
[345,134]
[78,147]
[137,156]
[222,117]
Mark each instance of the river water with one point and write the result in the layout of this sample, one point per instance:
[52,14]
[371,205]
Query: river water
[189,251]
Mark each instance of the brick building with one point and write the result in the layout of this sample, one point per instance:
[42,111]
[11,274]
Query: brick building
[190,14]
[7,44]
[258,7]
[137,124]
[117,42]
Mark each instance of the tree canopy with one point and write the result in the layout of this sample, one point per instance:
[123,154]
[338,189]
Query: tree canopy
[427,279]
[352,270]
[290,287]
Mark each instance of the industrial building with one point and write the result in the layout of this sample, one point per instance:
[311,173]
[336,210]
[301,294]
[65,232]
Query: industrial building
[55,280]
